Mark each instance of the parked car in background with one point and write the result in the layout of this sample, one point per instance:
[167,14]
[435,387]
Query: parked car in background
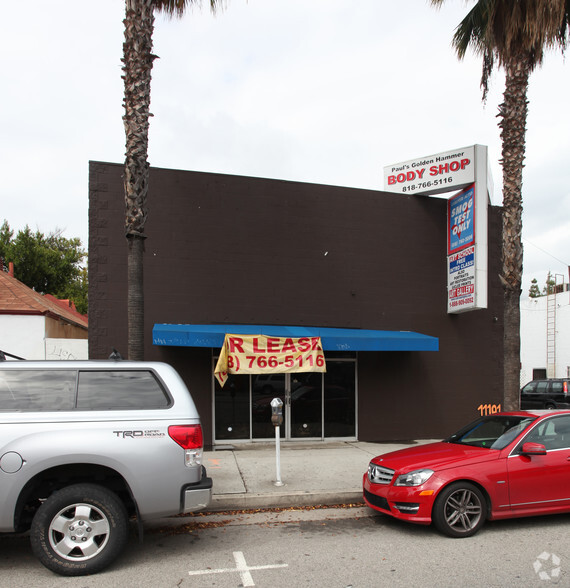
[511,464]
[549,394]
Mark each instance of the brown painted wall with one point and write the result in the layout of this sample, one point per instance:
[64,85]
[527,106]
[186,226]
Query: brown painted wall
[57,329]
[230,249]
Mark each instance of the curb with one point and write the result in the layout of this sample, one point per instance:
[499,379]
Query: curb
[233,517]
[248,500]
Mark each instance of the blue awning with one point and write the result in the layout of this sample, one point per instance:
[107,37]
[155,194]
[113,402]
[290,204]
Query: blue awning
[332,339]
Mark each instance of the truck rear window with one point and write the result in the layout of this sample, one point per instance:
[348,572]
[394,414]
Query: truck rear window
[37,390]
[120,390]
[65,390]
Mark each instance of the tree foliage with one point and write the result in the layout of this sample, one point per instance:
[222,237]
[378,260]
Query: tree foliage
[49,264]
[512,35]
[507,31]
[550,286]
[534,291]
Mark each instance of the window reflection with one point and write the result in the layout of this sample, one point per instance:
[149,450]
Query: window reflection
[321,405]
[307,404]
[37,390]
[120,390]
[265,388]
[232,408]
[340,399]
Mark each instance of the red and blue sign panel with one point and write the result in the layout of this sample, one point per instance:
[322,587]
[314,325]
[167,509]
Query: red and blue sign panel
[461,261]
[461,220]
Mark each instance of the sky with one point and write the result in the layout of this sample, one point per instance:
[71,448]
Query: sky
[320,91]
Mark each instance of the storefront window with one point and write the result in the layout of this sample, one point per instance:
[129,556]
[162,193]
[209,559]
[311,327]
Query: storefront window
[232,408]
[306,405]
[315,405]
[265,387]
[340,399]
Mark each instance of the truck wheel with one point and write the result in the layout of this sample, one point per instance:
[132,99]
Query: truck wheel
[79,530]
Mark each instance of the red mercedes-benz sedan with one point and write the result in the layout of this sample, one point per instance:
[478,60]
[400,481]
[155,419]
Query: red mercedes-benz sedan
[510,464]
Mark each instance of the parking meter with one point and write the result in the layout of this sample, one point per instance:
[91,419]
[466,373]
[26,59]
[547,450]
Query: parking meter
[277,412]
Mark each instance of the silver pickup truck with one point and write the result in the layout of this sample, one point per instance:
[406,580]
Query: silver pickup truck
[85,446]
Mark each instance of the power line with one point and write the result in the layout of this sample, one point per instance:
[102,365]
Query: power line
[547,253]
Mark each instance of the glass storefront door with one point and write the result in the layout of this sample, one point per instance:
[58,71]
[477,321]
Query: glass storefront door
[316,406]
[305,405]
[302,397]
[264,388]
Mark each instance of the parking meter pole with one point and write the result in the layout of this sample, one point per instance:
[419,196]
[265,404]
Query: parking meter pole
[278,481]
[277,419]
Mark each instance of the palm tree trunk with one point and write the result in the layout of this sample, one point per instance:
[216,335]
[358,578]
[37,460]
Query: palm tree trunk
[135,298]
[513,114]
[137,66]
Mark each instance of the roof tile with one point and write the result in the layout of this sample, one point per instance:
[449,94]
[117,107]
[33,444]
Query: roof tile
[17,298]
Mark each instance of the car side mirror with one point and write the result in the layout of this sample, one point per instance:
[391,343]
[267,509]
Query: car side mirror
[533,449]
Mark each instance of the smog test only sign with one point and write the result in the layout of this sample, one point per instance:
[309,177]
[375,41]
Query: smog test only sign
[461,250]
[461,220]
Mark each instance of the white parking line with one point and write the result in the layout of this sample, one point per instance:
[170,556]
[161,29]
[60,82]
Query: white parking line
[241,567]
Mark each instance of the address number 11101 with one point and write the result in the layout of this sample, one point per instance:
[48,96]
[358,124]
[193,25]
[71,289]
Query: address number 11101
[486,409]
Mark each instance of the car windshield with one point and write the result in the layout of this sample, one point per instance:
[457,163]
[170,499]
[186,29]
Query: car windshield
[492,432]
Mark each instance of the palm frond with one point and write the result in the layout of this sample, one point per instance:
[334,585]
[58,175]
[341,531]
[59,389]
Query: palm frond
[474,30]
[502,31]
[179,7]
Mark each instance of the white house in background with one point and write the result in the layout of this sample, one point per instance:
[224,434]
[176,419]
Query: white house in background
[545,336]
[33,326]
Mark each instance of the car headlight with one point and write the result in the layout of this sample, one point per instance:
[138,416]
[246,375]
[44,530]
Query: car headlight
[415,478]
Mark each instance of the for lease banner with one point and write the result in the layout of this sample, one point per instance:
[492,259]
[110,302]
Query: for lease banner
[259,354]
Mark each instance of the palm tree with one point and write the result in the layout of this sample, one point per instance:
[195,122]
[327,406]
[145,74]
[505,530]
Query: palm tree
[512,34]
[137,65]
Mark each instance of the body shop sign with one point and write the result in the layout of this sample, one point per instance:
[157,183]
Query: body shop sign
[433,174]
[259,354]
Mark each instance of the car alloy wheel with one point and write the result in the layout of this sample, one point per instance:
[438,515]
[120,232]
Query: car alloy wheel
[459,510]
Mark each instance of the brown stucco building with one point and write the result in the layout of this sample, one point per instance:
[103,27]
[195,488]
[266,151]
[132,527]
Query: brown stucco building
[230,250]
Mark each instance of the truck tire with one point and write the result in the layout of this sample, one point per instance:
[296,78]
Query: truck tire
[79,530]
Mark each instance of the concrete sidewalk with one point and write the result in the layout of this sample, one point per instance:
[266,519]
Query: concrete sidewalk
[312,473]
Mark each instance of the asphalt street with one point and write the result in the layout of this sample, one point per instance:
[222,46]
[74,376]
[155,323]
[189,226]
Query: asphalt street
[323,548]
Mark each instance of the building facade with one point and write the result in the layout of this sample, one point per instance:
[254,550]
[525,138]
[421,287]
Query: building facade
[366,269]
